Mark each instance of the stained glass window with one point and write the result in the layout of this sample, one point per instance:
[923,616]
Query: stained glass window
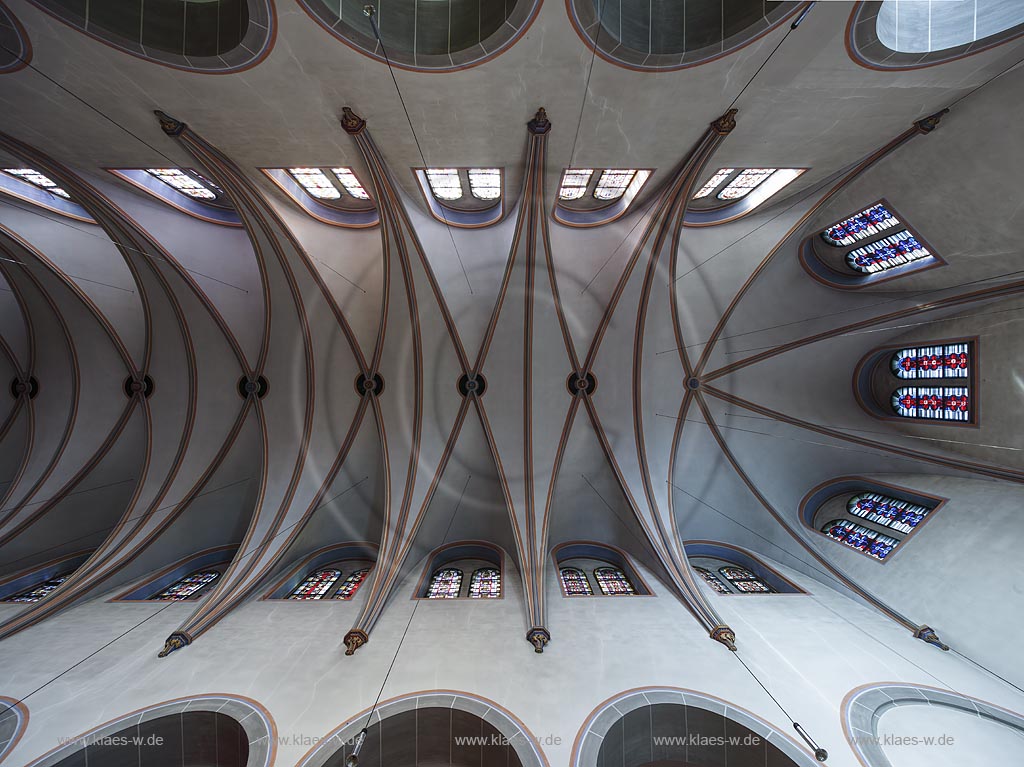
[947,403]
[188,587]
[745,581]
[37,179]
[613,582]
[943,361]
[575,582]
[316,183]
[485,584]
[352,583]
[446,584]
[445,183]
[485,183]
[713,183]
[39,591]
[860,226]
[574,183]
[348,180]
[612,184]
[902,516]
[316,584]
[712,580]
[858,537]
[183,182]
[746,182]
[887,253]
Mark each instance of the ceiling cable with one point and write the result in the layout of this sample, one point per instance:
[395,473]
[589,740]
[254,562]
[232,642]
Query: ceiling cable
[586,85]
[371,13]
[764,63]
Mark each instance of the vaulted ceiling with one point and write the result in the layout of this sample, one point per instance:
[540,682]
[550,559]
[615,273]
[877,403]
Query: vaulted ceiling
[721,371]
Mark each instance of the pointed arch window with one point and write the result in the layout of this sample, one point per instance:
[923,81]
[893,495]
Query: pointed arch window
[445,584]
[712,580]
[860,538]
[574,183]
[350,183]
[445,183]
[40,590]
[38,180]
[316,584]
[485,183]
[485,584]
[318,184]
[870,222]
[734,192]
[941,361]
[746,182]
[189,587]
[613,582]
[348,589]
[187,182]
[745,581]
[874,240]
[714,182]
[575,582]
[612,184]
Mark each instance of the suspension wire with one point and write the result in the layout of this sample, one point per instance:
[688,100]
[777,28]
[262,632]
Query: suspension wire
[78,98]
[988,670]
[235,560]
[765,62]
[586,85]
[371,13]
[18,506]
[996,76]
[416,604]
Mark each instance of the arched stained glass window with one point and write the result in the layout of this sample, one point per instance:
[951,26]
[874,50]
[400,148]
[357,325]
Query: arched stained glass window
[351,184]
[485,584]
[316,584]
[902,516]
[38,180]
[947,403]
[574,183]
[187,182]
[575,582]
[188,587]
[352,583]
[40,590]
[613,184]
[713,183]
[445,183]
[445,584]
[745,581]
[712,580]
[485,183]
[858,537]
[746,182]
[887,253]
[316,183]
[943,361]
[860,226]
[613,582]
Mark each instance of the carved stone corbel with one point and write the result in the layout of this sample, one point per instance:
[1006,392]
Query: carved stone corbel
[351,123]
[175,641]
[355,639]
[927,634]
[725,635]
[538,637]
[168,124]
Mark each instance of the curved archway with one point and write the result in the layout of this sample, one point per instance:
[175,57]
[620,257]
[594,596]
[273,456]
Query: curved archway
[399,717]
[665,37]
[244,734]
[863,708]
[882,34]
[444,37]
[676,717]
[13,721]
[15,48]
[176,33]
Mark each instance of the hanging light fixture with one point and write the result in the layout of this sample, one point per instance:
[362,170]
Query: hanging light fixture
[353,758]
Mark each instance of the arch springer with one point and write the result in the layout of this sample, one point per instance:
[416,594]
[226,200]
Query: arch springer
[725,635]
[725,124]
[175,641]
[168,124]
[540,124]
[355,639]
[927,634]
[538,636]
[929,123]
[351,123]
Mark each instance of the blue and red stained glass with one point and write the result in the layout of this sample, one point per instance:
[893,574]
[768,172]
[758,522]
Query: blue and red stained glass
[575,582]
[446,584]
[485,584]
[745,581]
[933,403]
[942,361]
[352,583]
[188,587]
[902,516]
[860,226]
[39,591]
[858,537]
[890,252]
[613,582]
[712,580]
[316,584]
